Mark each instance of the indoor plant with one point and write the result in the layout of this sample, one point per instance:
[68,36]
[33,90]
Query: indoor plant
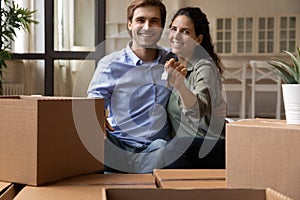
[13,17]
[290,75]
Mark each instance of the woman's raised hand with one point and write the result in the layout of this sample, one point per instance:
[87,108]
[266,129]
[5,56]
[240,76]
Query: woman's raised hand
[176,72]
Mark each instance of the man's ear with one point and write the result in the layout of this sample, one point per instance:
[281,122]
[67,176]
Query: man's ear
[199,39]
[129,25]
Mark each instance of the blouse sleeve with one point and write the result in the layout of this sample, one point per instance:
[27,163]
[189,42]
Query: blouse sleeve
[204,82]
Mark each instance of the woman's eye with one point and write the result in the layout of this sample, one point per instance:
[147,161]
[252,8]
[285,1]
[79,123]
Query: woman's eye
[173,29]
[186,32]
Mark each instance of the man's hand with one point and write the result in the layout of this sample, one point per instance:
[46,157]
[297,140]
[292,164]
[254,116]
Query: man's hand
[107,125]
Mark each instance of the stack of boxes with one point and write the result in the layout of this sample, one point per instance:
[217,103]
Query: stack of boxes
[45,154]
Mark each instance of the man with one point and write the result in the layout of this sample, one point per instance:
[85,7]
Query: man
[135,94]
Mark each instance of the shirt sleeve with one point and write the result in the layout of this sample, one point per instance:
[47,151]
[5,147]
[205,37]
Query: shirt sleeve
[204,83]
[206,117]
[102,83]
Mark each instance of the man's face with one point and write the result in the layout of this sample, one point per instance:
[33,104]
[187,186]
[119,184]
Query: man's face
[146,27]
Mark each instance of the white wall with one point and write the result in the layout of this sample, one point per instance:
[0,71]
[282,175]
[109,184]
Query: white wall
[246,7]
[116,13]
[116,10]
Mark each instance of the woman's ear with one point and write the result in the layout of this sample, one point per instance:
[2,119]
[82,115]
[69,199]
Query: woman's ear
[199,39]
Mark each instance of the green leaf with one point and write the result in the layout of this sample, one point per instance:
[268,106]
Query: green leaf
[298,63]
[13,17]
[283,72]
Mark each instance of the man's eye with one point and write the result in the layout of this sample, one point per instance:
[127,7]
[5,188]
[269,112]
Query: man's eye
[173,29]
[155,22]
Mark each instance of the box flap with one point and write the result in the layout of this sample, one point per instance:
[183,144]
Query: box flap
[60,193]
[192,184]
[42,98]
[190,178]
[9,190]
[273,195]
[3,186]
[48,98]
[112,180]
[189,174]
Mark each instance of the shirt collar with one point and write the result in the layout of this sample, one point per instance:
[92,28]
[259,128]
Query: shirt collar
[130,55]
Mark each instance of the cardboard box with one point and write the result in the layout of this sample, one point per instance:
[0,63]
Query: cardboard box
[41,138]
[192,194]
[8,190]
[190,178]
[263,153]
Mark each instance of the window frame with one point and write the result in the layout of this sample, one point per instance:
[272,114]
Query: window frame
[50,55]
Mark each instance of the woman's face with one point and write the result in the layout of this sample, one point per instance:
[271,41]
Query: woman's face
[183,37]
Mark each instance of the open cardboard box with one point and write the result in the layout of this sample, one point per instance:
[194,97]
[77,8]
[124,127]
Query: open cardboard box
[190,178]
[98,193]
[41,138]
[263,153]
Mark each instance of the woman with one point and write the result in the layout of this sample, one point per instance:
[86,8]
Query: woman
[196,106]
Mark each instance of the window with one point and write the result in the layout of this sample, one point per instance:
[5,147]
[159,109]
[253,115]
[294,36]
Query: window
[74,25]
[67,32]
[224,35]
[244,35]
[288,33]
[266,35]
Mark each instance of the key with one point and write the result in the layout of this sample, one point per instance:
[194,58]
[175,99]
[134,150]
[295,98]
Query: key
[164,75]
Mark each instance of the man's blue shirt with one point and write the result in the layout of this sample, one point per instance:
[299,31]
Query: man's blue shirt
[134,94]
